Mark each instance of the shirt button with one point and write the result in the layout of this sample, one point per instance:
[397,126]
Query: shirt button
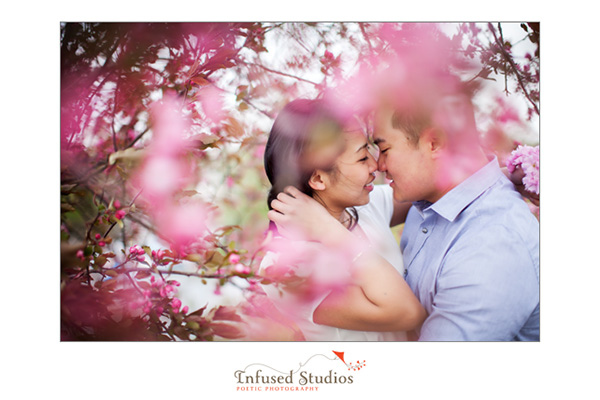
[424,230]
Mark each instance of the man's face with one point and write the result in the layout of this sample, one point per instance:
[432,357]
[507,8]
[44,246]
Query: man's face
[409,165]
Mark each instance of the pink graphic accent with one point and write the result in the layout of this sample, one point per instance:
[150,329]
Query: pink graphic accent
[353,367]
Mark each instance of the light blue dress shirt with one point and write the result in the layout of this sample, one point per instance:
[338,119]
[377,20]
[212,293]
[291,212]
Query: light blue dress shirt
[472,259]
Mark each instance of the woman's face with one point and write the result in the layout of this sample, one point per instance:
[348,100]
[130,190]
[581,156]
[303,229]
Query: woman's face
[350,183]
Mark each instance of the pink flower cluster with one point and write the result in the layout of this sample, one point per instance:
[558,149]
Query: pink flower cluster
[137,252]
[167,169]
[239,268]
[528,159]
[161,293]
[119,214]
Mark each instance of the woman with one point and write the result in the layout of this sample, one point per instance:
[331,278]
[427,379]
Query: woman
[368,299]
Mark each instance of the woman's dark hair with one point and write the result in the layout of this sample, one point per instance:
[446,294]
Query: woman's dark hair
[302,128]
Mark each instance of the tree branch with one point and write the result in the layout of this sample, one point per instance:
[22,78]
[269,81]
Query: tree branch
[508,58]
[280,73]
[364,33]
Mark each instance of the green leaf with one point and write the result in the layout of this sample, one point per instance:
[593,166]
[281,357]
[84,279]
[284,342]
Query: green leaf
[197,258]
[109,284]
[64,207]
[226,331]
[189,193]
[226,230]
[226,313]
[198,312]
[193,325]
[180,332]
[100,261]
[144,285]
[112,273]
[142,274]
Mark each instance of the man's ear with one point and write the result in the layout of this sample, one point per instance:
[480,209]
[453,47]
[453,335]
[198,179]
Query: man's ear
[318,180]
[435,141]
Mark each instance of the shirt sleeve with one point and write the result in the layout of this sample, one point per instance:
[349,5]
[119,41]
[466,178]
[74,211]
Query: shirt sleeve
[485,292]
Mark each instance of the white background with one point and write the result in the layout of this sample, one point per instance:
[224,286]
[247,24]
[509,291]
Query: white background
[38,366]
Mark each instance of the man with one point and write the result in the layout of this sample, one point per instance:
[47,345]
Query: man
[470,243]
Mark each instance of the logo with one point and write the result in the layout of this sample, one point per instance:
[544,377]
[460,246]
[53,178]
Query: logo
[310,376]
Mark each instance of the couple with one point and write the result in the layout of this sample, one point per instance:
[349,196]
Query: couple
[468,264]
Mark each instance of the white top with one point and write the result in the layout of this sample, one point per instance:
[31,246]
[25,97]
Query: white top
[374,219]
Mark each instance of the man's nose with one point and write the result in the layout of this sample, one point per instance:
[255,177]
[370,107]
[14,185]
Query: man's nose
[381,163]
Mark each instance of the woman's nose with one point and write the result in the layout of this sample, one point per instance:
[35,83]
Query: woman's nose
[372,164]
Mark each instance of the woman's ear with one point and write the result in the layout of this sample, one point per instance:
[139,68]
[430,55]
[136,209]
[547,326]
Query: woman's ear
[318,180]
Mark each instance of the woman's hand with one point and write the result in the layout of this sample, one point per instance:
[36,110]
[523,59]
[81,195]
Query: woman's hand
[516,177]
[299,216]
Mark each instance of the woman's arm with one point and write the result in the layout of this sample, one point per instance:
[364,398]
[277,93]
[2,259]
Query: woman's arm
[379,300]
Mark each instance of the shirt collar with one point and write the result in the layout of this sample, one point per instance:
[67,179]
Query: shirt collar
[457,199]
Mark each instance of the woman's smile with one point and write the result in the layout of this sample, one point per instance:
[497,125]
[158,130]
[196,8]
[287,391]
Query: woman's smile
[369,186]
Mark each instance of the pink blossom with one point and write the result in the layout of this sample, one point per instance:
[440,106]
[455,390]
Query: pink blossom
[120,214]
[176,304]
[234,258]
[528,159]
[158,254]
[211,99]
[170,127]
[242,269]
[98,236]
[80,254]
[162,175]
[185,310]
[320,270]
[101,243]
[117,204]
[229,182]
[182,224]
[137,251]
